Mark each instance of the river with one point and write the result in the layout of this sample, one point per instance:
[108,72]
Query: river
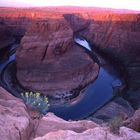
[95,95]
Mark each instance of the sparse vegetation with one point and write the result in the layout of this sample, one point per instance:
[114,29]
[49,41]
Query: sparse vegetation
[36,102]
[115,124]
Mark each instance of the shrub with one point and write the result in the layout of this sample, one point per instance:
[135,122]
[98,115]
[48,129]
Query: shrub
[36,101]
[115,123]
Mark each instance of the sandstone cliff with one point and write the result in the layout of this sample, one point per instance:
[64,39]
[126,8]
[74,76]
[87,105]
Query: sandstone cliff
[117,37]
[48,60]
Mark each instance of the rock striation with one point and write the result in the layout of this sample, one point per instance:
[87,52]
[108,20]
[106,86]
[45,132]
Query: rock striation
[48,60]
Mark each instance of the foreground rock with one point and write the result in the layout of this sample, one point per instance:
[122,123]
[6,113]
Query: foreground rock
[48,60]
[51,127]
[98,133]
[14,120]
[16,124]
[52,123]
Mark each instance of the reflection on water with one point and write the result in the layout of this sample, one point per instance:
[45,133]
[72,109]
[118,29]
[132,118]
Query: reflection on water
[83,43]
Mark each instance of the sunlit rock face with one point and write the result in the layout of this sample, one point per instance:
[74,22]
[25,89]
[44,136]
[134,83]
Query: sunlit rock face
[48,60]
[15,123]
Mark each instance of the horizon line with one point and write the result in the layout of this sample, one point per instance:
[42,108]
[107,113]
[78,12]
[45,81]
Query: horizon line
[70,6]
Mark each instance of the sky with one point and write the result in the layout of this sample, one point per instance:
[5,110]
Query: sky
[118,4]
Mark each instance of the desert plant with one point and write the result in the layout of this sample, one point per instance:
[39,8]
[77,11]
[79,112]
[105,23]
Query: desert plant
[36,101]
[115,123]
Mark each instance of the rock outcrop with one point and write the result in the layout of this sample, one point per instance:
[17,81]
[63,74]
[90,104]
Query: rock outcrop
[54,128]
[48,60]
[52,123]
[98,133]
[15,123]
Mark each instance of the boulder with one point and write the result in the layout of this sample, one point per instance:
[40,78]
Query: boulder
[48,61]
[14,120]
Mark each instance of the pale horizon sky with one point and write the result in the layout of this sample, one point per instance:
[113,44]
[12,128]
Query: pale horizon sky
[118,4]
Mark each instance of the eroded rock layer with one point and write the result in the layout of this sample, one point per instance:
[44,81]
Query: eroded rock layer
[48,60]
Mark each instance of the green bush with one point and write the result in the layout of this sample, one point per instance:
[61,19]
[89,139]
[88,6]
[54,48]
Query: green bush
[115,124]
[36,101]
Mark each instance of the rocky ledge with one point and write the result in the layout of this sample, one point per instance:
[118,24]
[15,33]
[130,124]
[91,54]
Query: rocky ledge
[16,123]
[49,61]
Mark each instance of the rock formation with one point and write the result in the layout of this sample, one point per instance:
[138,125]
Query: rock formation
[48,60]
[97,133]
[52,123]
[117,36]
[15,123]
[54,128]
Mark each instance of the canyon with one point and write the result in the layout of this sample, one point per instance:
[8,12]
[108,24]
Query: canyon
[49,61]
